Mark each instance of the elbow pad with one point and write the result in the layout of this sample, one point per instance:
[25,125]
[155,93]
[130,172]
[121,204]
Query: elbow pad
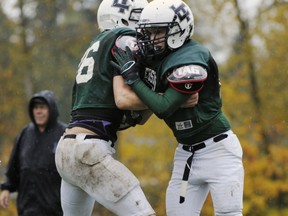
[188,79]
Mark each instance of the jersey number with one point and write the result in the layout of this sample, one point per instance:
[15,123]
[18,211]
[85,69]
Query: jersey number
[85,67]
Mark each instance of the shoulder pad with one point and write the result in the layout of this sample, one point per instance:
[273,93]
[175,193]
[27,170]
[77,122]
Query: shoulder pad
[188,79]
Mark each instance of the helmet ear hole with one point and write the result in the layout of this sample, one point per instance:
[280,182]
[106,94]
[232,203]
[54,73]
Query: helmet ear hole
[125,22]
[176,37]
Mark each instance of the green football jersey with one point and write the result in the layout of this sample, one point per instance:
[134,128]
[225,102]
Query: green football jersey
[189,125]
[93,105]
[93,87]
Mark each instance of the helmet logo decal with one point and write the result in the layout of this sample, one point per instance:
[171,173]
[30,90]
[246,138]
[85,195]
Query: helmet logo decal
[122,6]
[150,78]
[181,12]
[188,85]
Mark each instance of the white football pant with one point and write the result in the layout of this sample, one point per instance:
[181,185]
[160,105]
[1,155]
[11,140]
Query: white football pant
[217,169]
[89,173]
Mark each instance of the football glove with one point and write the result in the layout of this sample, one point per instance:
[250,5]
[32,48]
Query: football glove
[126,64]
[130,119]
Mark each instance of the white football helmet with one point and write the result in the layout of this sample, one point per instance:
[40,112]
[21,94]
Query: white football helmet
[173,16]
[119,13]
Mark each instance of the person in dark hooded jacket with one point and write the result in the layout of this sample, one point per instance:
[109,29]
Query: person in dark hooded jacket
[31,170]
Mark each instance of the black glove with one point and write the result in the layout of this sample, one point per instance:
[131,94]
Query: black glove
[130,119]
[126,64]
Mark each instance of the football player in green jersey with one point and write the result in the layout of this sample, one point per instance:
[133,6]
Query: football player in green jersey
[208,157]
[84,156]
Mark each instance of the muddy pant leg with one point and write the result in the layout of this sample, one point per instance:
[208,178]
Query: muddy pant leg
[75,201]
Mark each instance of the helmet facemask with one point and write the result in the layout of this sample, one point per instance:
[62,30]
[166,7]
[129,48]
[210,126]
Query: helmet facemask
[135,14]
[152,38]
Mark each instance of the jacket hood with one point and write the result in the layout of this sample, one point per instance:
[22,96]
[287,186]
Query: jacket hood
[49,98]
